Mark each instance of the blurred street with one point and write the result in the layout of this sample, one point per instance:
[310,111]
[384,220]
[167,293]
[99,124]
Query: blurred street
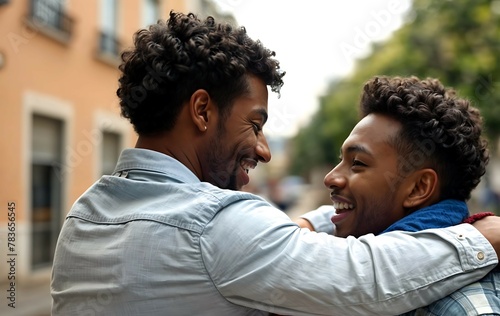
[311,198]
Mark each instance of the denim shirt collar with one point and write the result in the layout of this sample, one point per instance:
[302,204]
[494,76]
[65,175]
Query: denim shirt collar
[150,160]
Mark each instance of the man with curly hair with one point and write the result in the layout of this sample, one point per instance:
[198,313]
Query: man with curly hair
[411,164]
[170,232]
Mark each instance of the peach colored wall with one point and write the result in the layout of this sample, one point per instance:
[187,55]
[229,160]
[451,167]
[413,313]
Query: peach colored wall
[176,5]
[35,62]
[10,102]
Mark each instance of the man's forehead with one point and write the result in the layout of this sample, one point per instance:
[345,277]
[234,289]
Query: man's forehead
[372,133]
[377,126]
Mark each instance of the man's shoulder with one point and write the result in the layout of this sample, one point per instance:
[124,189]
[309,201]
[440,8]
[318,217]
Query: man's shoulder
[113,200]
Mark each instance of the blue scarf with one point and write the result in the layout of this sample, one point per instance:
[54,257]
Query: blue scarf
[443,214]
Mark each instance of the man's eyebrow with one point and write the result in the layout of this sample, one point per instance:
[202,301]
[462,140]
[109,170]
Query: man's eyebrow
[262,113]
[357,149]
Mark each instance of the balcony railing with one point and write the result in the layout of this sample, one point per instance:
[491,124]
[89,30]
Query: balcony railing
[51,15]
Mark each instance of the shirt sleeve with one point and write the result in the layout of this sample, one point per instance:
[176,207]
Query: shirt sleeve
[257,257]
[321,219]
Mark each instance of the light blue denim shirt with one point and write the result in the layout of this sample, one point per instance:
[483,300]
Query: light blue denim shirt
[154,240]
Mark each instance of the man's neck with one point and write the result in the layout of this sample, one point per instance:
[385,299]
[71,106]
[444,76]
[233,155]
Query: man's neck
[174,144]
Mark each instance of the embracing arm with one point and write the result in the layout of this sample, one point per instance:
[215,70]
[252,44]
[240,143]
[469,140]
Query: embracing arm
[319,220]
[489,227]
[267,262]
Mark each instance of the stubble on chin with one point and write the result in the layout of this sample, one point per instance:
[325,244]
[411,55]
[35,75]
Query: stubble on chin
[222,172]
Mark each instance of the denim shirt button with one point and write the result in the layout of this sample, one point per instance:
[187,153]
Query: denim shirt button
[480,255]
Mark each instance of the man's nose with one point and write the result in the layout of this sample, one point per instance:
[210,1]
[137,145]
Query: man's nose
[335,179]
[262,149]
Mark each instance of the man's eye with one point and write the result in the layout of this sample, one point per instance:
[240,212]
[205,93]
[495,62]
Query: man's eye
[256,128]
[356,162]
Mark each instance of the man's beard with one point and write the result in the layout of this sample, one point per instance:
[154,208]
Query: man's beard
[222,171]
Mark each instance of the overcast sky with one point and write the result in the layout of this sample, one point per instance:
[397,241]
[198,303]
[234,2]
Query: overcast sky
[315,42]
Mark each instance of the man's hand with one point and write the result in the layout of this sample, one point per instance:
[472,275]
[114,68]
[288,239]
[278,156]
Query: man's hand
[304,223]
[490,228]
[318,220]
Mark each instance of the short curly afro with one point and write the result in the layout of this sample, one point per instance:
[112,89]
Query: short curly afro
[439,130]
[172,59]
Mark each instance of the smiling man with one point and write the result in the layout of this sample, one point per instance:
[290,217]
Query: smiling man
[169,233]
[372,160]
[410,164]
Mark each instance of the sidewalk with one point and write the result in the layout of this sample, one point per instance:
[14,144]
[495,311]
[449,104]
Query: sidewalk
[31,300]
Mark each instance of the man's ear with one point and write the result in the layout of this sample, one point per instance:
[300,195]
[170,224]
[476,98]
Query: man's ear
[200,109]
[423,188]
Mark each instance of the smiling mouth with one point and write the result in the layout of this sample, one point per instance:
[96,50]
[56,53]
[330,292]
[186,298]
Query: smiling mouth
[343,206]
[248,164]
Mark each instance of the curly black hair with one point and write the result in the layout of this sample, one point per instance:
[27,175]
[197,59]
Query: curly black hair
[172,59]
[439,130]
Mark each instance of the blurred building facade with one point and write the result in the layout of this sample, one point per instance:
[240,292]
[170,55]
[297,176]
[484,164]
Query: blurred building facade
[60,122]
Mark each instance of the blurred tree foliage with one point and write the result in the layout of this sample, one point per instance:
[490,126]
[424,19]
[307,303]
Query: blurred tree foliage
[455,41]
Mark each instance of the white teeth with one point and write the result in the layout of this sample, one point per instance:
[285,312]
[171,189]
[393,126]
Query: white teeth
[248,165]
[342,206]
